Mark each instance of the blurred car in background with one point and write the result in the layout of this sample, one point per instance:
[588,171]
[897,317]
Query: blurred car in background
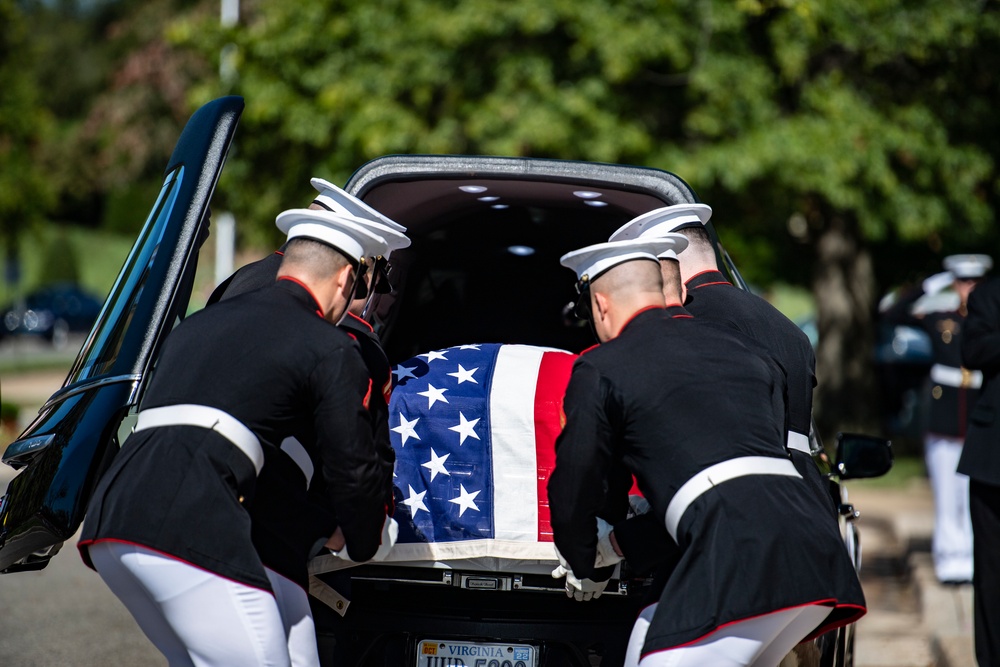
[902,361]
[52,312]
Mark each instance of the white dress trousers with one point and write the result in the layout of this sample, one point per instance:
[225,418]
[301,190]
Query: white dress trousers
[297,620]
[951,543]
[194,617]
[757,642]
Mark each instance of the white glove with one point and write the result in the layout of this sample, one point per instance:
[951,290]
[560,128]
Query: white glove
[606,554]
[938,282]
[390,530]
[578,589]
[638,505]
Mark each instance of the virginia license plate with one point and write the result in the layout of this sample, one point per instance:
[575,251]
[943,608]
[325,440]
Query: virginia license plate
[437,653]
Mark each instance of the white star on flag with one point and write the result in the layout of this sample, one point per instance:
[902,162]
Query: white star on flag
[464,428]
[436,464]
[431,356]
[406,429]
[416,501]
[403,372]
[433,395]
[468,347]
[465,500]
[463,375]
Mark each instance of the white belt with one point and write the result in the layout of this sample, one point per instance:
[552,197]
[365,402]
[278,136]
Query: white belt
[298,454]
[223,423]
[956,377]
[798,441]
[719,473]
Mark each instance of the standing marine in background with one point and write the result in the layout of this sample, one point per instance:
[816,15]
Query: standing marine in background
[954,391]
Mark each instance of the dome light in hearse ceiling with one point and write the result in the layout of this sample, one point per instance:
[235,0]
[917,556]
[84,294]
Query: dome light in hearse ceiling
[500,207]
[488,198]
[521,250]
[472,189]
[595,203]
[586,194]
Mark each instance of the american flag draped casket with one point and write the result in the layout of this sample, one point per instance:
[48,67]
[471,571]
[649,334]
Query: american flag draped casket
[474,430]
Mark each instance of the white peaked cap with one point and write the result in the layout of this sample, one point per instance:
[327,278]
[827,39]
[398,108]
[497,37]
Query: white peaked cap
[348,234]
[664,220]
[594,260]
[339,201]
[968,266]
[395,240]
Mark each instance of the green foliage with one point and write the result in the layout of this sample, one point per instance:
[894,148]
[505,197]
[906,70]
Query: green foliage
[25,192]
[60,263]
[772,107]
[9,412]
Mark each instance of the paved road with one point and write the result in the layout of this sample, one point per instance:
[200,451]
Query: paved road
[64,616]
[912,621]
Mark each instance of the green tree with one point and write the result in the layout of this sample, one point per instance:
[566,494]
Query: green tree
[25,191]
[818,129]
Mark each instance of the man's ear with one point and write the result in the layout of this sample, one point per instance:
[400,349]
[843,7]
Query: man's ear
[602,304]
[344,281]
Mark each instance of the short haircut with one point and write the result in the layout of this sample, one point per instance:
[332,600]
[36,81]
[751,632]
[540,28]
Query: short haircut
[315,258]
[629,278]
[670,270]
[698,239]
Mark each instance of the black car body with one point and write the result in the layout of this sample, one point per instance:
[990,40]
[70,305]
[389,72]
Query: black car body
[487,234]
[51,312]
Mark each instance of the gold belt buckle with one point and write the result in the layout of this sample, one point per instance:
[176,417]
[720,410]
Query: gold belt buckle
[966,377]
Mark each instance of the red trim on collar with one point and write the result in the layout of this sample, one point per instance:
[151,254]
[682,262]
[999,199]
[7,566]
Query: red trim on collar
[592,347]
[716,282]
[675,305]
[640,312]
[367,325]
[278,252]
[701,273]
[319,310]
[682,316]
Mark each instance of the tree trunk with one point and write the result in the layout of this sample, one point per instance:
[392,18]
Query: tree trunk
[843,285]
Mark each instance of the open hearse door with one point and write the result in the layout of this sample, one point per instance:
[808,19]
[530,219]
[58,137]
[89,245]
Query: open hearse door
[63,451]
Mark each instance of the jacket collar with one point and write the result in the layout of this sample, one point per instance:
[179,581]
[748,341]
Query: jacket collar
[706,278]
[300,291]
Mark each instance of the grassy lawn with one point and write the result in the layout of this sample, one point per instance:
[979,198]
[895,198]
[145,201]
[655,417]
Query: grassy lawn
[99,255]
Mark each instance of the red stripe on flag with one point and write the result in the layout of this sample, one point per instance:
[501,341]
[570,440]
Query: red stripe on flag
[553,376]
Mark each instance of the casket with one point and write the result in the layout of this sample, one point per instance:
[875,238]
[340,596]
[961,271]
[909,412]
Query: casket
[474,429]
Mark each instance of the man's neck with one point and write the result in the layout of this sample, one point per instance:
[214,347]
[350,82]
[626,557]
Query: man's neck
[626,312]
[694,265]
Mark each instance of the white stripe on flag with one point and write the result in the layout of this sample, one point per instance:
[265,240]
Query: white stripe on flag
[512,424]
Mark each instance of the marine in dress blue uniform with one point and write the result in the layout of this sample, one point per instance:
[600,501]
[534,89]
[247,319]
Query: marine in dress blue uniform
[293,506]
[232,382]
[954,391]
[710,296]
[715,471]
